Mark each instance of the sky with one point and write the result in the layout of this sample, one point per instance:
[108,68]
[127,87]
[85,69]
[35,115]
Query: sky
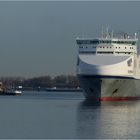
[38,38]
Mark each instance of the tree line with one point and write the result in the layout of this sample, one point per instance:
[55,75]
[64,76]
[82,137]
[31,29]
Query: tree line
[69,81]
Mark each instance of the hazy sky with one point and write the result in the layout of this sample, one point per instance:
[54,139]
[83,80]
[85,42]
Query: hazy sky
[38,38]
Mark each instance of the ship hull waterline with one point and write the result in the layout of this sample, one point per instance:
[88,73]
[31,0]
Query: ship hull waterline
[110,88]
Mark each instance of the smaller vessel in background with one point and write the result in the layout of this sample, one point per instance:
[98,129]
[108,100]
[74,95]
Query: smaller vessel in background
[64,89]
[13,92]
[9,91]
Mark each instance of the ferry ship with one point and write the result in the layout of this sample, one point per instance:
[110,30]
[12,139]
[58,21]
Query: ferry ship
[108,67]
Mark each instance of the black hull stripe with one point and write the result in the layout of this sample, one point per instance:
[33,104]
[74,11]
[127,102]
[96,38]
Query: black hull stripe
[104,76]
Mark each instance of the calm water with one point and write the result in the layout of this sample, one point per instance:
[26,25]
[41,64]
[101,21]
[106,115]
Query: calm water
[66,115]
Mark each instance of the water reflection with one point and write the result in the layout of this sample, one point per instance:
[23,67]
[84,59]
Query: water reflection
[108,120]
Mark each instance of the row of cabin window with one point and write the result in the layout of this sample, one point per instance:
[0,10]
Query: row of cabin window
[115,52]
[104,41]
[123,52]
[105,47]
[105,52]
[119,42]
[116,47]
[125,47]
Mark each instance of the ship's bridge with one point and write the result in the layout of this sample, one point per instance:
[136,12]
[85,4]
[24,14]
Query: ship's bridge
[107,46]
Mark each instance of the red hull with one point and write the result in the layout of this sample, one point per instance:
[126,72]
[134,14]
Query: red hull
[115,98]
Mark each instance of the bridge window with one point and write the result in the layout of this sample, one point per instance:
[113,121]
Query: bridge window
[87,42]
[133,43]
[86,52]
[123,52]
[104,52]
[94,41]
[125,42]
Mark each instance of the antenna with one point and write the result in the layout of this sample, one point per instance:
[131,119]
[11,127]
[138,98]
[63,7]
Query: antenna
[112,34]
[135,35]
[107,32]
[102,32]
[138,33]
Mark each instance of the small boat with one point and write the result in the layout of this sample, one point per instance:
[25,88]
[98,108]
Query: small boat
[12,92]
[64,89]
[9,91]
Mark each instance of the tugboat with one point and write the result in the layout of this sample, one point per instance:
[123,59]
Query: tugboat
[7,91]
[13,92]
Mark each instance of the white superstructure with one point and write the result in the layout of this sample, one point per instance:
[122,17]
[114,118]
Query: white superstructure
[109,67]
